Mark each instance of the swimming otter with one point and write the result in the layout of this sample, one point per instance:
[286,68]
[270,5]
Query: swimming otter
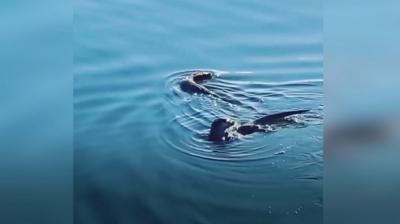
[223,129]
[191,84]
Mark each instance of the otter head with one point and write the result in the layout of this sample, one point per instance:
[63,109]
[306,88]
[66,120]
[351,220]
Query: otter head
[201,76]
[219,129]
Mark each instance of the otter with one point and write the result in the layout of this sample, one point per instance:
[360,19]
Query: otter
[223,129]
[191,84]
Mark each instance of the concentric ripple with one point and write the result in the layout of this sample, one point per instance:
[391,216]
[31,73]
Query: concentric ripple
[190,116]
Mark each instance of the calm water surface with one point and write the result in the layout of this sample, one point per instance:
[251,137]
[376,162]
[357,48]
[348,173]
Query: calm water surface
[141,153]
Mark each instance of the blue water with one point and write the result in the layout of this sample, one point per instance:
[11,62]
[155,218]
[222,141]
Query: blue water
[140,147]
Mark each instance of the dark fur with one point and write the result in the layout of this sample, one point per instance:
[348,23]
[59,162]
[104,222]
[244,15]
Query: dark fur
[222,128]
[191,84]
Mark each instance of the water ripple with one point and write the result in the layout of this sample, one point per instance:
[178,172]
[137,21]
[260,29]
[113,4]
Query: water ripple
[191,115]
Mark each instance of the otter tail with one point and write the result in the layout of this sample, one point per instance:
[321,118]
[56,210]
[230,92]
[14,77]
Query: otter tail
[274,118]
